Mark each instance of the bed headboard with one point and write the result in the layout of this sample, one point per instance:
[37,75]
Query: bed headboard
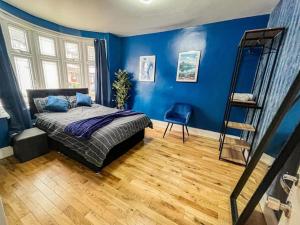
[42,93]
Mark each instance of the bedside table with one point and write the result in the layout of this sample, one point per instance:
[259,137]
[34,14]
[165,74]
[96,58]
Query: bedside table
[30,144]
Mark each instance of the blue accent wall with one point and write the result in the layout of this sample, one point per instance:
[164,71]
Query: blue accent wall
[284,131]
[4,137]
[218,45]
[3,132]
[114,54]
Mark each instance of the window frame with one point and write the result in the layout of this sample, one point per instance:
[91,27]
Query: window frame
[88,80]
[66,40]
[81,80]
[12,59]
[26,39]
[5,24]
[89,63]
[42,67]
[30,67]
[40,58]
[86,46]
[38,35]
[36,57]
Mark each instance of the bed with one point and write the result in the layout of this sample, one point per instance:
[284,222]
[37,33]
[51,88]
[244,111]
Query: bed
[105,145]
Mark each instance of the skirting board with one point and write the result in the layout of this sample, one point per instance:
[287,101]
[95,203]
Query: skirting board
[192,130]
[6,152]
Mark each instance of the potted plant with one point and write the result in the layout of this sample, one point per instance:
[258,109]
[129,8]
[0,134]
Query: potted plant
[121,86]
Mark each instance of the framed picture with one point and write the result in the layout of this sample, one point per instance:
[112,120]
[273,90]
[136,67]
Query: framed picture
[147,68]
[187,69]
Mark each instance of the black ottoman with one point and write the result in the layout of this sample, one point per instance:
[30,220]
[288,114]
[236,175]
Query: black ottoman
[30,144]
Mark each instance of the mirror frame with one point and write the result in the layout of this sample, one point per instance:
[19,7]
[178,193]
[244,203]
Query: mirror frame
[289,100]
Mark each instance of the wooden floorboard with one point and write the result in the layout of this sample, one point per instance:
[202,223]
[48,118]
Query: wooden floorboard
[159,181]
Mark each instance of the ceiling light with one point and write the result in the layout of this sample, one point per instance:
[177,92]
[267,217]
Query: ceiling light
[146,1]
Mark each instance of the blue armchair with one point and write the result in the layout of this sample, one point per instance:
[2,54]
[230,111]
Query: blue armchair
[179,113]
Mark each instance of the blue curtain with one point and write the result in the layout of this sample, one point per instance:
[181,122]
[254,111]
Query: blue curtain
[102,81]
[10,94]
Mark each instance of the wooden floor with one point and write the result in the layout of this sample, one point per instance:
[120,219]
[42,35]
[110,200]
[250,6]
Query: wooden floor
[160,181]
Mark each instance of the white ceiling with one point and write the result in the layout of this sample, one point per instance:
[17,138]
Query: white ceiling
[130,17]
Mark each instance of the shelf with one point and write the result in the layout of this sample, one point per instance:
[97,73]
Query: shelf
[247,104]
[259,37]
[237,143]
[261,42]
[240,126]
[233,155]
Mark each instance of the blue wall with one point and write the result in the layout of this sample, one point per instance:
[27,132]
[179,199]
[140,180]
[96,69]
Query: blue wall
[284,131]
[218,44]
[3,132]
[114,54]
[4,137]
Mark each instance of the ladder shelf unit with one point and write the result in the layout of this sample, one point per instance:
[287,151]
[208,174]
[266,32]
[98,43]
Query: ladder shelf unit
[267,43]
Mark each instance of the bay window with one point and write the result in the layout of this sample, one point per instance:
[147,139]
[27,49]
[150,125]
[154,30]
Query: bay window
[23,73]
[43,58]
[72,50]
[74,75]
[90,52]
[18,39]
[92,75]
[50,71]
[47,46]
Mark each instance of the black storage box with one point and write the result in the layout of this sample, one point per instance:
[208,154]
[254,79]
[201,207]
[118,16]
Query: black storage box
[30,144]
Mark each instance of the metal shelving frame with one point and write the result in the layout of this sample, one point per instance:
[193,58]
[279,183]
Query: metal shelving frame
[267,42]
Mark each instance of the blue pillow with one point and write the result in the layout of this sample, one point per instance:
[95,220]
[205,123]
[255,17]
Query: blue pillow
[56,104]
[83,100]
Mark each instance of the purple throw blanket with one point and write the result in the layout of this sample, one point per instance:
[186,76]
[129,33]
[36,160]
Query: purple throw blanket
[85,128]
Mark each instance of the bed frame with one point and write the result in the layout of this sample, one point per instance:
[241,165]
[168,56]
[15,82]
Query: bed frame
[113,154]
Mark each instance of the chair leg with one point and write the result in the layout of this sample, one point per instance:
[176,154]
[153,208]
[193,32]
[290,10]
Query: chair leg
[171,126]
[166,130]
[183,133]
[187,130]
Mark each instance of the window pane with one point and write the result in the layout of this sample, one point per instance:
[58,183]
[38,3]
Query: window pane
[72,50]
[47,46]
[92,74]
[91,53]
[73,71]
[50,74]
[18,39]
[24,74]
